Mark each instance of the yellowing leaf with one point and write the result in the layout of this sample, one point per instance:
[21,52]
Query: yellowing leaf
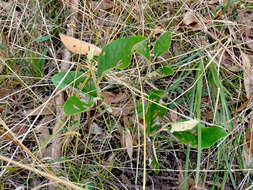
[184,126]
[78,46]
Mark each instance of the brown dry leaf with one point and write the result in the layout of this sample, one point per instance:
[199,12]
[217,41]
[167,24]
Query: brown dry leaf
[123,110]
[44,135]
[78,46]
[5,90]
[190,182]
[246,30]
[156,31]
[17,131]
[192,186]
[173,115]
[127,142]
[247,63]
[119,103]
[229,63]
[49,109]
[191,21]
[111,98]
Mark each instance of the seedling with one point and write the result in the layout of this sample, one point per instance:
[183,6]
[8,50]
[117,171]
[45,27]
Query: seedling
[121,51]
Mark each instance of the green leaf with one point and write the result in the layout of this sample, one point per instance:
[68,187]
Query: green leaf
[165,71]
[43,38]
[119,50]
[37,65]
[162,44]
[160,73]
[209,136]
[144,50]
[74,105]
[154,111]
[75,79]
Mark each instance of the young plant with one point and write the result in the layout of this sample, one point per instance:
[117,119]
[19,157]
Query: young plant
[121,50]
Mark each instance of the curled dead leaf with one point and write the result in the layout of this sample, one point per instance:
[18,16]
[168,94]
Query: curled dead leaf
[78,46]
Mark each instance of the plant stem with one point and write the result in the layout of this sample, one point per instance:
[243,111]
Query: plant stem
[198,105]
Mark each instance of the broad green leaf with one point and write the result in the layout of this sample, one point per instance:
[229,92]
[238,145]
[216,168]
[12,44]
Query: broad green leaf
[154,111]
[162,44]
[75,79]
[118,50]
[74,105]
[209,136]
[144,50]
